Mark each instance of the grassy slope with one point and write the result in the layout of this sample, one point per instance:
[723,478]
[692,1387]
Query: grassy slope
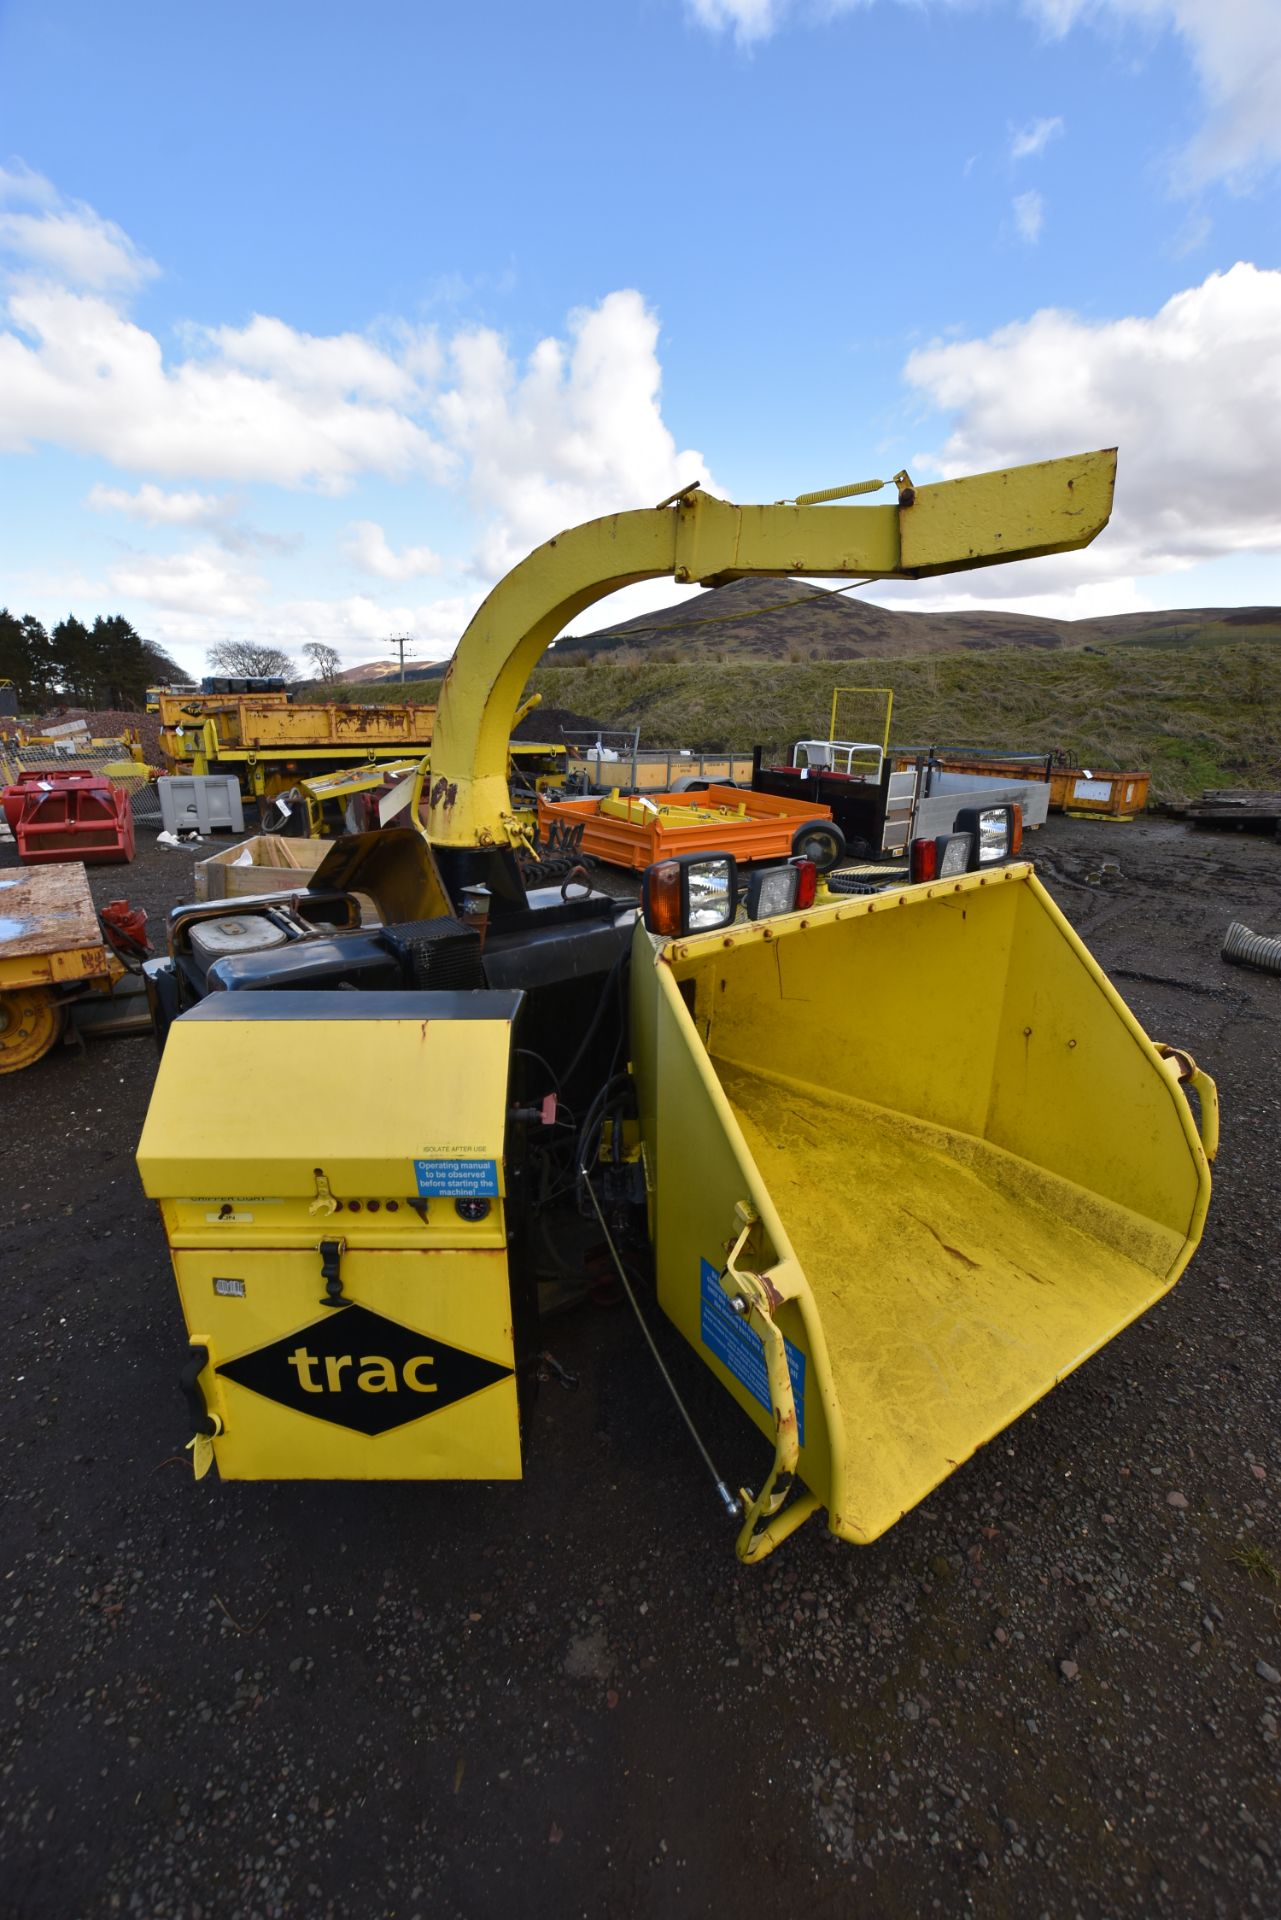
[1198,715]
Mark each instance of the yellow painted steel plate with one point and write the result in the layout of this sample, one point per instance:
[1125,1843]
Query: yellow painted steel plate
[288,1082]
[955,1282]
[413,1381]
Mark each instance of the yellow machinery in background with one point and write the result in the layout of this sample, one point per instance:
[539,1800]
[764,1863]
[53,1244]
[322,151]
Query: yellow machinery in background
[332,802]
[267,741]
[902,1162]
[322,804]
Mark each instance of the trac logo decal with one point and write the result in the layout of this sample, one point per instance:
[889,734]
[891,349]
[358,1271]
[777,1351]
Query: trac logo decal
[362,1371]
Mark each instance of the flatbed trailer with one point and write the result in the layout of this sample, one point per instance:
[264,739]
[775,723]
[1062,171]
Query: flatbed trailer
[635,830]
[54,963]
[895,802]
[655,770]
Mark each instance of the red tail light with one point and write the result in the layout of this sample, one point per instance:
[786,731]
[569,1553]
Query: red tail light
[806,883]
[924,857]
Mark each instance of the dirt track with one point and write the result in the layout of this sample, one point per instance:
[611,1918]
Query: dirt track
[1046,1692]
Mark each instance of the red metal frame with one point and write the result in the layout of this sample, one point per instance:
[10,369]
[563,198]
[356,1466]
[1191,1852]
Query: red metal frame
[70,814]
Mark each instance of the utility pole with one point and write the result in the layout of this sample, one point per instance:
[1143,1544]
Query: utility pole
[402,640]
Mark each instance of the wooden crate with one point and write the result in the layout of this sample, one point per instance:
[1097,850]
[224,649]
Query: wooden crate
[276,864]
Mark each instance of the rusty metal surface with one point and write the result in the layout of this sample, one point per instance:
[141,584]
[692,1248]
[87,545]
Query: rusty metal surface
[46,911]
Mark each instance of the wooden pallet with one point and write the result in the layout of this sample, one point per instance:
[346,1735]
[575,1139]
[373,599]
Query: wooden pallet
[1235,807]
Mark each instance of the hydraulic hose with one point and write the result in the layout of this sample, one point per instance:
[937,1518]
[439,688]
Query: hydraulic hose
[613,984]
[1246,949]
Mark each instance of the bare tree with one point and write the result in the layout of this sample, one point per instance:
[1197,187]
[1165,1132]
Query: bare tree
[325,659]
[250,659]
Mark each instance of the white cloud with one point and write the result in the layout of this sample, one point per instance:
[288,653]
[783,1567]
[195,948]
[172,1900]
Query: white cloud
[66,239]
[75,371]
[1193,234]
[1190,394]
[1029,216]
[22,186]
[325,366]
[156,508]
[361,627]
[1035,137]
[202,581]
[1235,46]
[1042,588]
[366,546]
[533,443]
[576,433]
[747,20]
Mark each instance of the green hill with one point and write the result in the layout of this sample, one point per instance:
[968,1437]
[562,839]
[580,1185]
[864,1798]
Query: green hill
[790,620]
[1193,694]
[1197,716]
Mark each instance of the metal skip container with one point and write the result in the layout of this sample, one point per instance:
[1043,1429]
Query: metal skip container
[910,1161]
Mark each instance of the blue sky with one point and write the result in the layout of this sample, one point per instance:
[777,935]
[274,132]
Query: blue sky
[317,318]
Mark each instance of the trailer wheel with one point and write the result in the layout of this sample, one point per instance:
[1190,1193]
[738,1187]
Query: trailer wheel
[30,1022]
[820,841]
[691,783]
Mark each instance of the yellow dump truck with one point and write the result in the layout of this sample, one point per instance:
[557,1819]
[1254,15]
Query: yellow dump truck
[898,1163]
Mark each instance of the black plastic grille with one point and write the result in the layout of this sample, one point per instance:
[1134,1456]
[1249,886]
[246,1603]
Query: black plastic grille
[438,955]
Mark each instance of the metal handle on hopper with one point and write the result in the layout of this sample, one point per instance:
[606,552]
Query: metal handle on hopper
[752,1296]
[1207,1115]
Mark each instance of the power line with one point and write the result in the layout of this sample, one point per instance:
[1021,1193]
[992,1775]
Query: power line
[401,641]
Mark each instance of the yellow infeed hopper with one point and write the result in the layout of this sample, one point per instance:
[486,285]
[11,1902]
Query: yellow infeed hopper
[922,1138]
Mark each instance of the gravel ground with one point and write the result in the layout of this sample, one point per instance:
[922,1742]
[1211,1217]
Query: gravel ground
[1053,1690]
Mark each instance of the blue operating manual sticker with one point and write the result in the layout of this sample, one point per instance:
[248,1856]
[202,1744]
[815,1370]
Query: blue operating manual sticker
[457,1179]
[739,1347]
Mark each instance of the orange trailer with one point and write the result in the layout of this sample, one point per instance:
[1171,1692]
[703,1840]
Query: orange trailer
[634,830]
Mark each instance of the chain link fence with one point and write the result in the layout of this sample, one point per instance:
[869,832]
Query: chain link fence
[59,753]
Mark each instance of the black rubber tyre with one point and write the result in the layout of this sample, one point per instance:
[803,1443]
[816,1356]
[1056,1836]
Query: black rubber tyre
[691,783]
[820,841]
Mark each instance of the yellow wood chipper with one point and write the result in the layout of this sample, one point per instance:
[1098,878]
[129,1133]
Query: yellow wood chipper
[899,1162]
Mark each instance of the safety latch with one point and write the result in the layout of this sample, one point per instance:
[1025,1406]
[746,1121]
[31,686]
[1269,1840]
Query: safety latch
[207,1424]
[331,1253]
[189,1379]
